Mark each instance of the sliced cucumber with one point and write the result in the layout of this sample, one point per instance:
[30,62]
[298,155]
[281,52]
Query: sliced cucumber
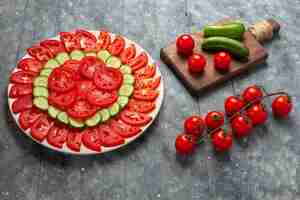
[40,92]
[103,55]
[77,55]
[41,81]
[126,69]
[51,64]
[114,109]
[76,123]
[114,62]
[91,54]
[126,90]
[53,112]
[128,79]
[93,121]
[46,72]
[41,103]
[63,117]
[62,57]
[122,101]
[104,114]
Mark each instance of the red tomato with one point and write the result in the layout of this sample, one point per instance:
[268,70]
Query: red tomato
[145,94]
[252,93]
[83,88]
[128,54]
[241,126]
[282,106]
[233,105]
[102,98]
[22,103]
[91,139]
[214,119]
[145,72]
[151,83]
[138,62]
[18,90]
[117,46]
[61,80]
[30,64]
[185,144]
[41,53]
[28,117]
[74,140]
[257,113]
[108,79]
[87,40]
[194,125]
[135,118]
[222,61]
[55,46]
[81,109]
[41,127]
[104,40]
[185,44]
[22,77]
[123,129]
[108,137]
[62,100]
[196,63]
[74,65]
[57,136]
[89,65]
[70,41]
[140,106]
[221,140]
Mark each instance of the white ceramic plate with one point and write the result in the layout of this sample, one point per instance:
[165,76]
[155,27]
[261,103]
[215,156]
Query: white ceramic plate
[84,150]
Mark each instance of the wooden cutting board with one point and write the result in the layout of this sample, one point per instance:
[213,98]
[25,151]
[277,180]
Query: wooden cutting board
[211,77]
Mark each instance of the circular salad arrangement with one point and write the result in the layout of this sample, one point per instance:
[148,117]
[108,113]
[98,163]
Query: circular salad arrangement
[85,92]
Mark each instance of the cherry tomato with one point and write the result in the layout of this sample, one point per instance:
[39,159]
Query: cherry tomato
[252,93]
[194,125]
[257,113]
[241,126]
[30,64]
[185,144]
[128,54]
[233,105]
[282,106]
[222,140]
[185,44]
[214,119]
[222,61]
[196,63]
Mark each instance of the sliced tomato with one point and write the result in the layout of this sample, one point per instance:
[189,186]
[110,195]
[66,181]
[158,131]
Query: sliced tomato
[89,65]
[30,64]
[145,94]
[91,139]
[117,46]
[41,53]
[74,140]
[145,72]
[87,40]
[102,98]
[61,80]
[18,90]
[139,62]
[55,46]
[62,100]
[140,106]
[128,54]
[83,88]
[22,77]
[57,136]
[108,79]
[81,109]
[108,137]
[28,117]
[72,64]
[123,129]
[135,118]
[150,83]
[70,41]
[104,40]
[22,103]
[41,127]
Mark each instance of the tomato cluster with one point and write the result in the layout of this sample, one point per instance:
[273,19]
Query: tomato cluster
[243,112]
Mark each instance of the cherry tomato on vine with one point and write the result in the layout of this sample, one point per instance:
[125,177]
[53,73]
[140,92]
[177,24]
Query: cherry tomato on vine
[257,113]
[241,126]
[185,44]
[194,125]
[214,119]
[233,105]
[185,144]
[282,106]
[196,63]
[252,93]
[222,61]
[221,140]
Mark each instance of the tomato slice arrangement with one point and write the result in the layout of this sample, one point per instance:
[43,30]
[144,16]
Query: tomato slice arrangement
[108,79]
[40,53]
[22,103]
[135,118]
[57,136]
[139,62]
[41,127]
[86,40]
[62,100]
[145,72]
[83,88]
[128,54]
[89,65]
[123,129]
[141,106]
[81,109]
[74,140]
[55,46]
[108,137]
[91,139]
[151,83]
[30,64]
[20,90]
[61,80]
[104,40]
[28,117]
[101,98]
[70,41]
[145,94]
[22,77]
[117,46]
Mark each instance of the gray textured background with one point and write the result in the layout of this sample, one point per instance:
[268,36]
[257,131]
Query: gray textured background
[266,167]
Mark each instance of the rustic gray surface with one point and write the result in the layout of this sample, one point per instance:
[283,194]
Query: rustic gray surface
[266,167]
